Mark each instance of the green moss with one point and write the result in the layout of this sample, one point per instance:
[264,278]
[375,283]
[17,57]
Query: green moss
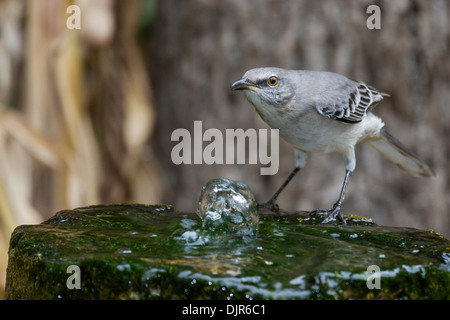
[155,252]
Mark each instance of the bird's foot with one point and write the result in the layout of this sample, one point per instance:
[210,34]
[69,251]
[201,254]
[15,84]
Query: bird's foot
[271,205]
[333,214]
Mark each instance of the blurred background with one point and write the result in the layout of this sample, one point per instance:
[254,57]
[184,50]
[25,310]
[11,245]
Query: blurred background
[86,115]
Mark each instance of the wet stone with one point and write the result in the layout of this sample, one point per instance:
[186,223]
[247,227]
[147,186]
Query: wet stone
[155,252]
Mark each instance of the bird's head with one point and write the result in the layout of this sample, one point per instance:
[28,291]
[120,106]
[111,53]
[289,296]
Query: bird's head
[267,88]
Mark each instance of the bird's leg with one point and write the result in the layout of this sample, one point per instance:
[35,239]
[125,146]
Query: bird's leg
[335,211]
[271,204]
[300,161]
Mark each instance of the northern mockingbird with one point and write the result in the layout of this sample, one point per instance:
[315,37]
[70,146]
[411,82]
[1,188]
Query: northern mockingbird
[323,112]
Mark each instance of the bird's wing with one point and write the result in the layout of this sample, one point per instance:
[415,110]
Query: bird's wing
[351,104]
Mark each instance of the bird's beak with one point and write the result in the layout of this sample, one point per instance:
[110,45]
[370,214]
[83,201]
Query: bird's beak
[243,84]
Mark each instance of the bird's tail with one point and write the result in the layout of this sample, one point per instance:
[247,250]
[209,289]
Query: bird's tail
[396,152]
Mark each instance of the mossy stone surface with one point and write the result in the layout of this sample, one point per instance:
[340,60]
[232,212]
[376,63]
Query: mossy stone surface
[155,252]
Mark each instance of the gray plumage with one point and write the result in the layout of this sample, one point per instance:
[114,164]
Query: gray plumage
[323,112]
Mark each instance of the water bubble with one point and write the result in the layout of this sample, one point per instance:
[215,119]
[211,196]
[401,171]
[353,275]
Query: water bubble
[227,206]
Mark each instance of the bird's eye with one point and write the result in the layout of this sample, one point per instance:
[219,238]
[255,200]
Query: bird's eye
[272,81]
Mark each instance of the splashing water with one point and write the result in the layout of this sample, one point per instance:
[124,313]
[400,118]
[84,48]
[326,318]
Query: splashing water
[227,206]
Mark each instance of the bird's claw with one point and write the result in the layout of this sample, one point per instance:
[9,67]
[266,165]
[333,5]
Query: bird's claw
[332,214]
[271,205]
